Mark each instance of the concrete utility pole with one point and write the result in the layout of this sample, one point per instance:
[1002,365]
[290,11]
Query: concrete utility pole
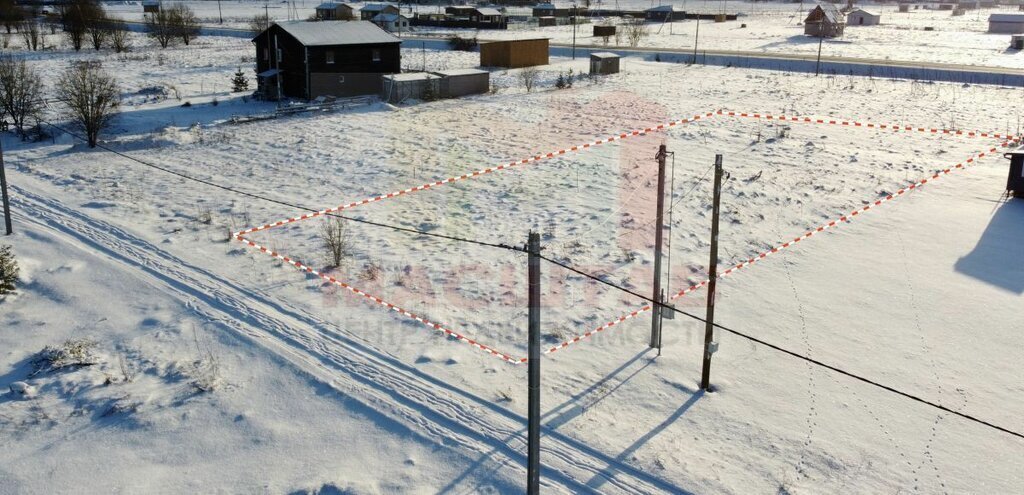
[575,11]
[658,239]
[3,188]
[710,346]
[220,13]
[533,365]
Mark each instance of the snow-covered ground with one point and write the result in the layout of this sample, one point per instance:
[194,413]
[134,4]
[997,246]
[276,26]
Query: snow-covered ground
[770,28]
[315,387]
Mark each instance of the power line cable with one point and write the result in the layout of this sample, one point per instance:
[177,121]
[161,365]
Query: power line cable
[280,202]
[793,354]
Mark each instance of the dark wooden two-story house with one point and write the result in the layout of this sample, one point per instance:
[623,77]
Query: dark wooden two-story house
[299,59]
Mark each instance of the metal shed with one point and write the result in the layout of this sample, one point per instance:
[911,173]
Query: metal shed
[416,85]
[1006,23]
[604,63]
[1015,181]
[514,54]
[462,82]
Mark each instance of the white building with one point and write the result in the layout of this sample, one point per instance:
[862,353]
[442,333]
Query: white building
[861,17]
[1006,23]
[391,22]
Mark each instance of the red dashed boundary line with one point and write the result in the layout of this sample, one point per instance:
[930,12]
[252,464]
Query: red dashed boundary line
[480,172]
[788,244]
[430,324]
[575,149]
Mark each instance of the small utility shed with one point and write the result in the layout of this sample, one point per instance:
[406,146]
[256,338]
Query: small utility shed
[861,17]
[333,11]
[400,87]
[462,82]
[300,59]
[824,21]
[513,54]
[1006,23]
[1015,182]
[604,63]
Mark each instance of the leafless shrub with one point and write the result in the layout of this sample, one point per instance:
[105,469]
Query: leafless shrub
[128,370]
[259,23]
[72,353]
[335,240]
[185,24]
[160,26]
[636,31]
[31,33]
[528,77]
[120,40]
[205,372]
[91,96]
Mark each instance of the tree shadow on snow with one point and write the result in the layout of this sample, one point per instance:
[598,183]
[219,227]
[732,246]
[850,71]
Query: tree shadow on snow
[997,259]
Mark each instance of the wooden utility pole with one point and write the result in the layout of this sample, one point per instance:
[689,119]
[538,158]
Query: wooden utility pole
[696,38]
[533,365]
[659,228]
[710,346]
[821,39]
[3,188]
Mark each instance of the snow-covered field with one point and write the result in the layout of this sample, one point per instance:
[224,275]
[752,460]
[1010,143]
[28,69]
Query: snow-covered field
[770,28]
[313,387]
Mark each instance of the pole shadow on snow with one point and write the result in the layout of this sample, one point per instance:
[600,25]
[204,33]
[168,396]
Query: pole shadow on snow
[997,259]
[572,408]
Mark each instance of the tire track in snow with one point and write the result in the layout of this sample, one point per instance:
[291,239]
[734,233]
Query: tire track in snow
[408,397]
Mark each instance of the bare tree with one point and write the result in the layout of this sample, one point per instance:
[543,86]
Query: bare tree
[335,240]
[30,32]
[636,31]
[259,23]
[184,23]
[21,92]
[77,16]
[11,14]
[91,96]
[528,76]
[119,38]
[98,31]
[160,26]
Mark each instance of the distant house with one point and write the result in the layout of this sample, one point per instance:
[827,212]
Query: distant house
[475,14]
[391,22]
[825,21]
[300,59]
[861,17]
[149,7]
[1006,23]
[663,13]
[552,10]
[372,9]
[333,11]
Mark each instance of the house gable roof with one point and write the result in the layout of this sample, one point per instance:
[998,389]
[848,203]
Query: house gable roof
[376,7]
[331,33]
[830,13]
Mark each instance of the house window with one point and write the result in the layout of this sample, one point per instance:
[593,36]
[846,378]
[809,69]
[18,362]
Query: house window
[279,53]
[329,55]
[266,54]
[376,55]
